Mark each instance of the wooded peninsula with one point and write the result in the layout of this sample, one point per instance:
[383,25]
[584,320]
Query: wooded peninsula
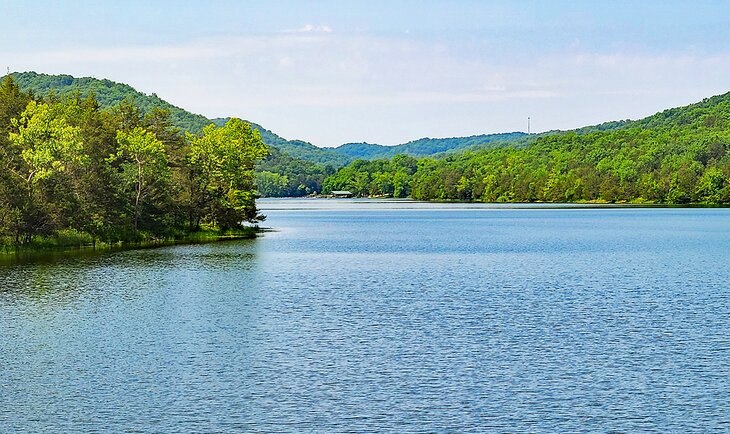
[75,174]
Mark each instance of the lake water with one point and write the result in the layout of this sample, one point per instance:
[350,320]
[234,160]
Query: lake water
[383,316]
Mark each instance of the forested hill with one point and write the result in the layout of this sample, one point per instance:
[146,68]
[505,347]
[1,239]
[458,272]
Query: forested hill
[680,155]
[710,113]
[108,94]
[425,146]
[298,148]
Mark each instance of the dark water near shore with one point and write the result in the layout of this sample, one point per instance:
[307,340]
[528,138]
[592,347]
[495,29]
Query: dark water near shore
[383,316]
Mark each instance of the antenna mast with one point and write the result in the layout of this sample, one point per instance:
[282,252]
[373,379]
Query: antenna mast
[528,125]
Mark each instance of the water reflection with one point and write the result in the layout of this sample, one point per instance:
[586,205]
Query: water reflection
[91,340]
[64,277]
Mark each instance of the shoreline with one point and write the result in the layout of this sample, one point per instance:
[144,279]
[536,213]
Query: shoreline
[41,250]
[584,204]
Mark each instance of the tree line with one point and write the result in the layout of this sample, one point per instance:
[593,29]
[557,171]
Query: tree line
[281,175]
[70,167]
[108,94]
[679,156]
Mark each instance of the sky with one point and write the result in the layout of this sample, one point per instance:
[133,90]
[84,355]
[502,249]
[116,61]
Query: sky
[332,72]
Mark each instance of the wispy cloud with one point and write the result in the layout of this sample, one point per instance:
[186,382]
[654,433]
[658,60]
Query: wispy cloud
[330,72]
[314,75]
[312,67]
[311,28]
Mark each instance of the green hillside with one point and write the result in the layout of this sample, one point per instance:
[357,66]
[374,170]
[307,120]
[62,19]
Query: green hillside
[298,148]
[108,94]
[680,155]
[425,146]
[302,175]
[281,175]
[675,156]
[295,161]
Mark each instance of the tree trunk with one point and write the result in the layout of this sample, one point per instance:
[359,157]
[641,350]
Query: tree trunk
[139,195]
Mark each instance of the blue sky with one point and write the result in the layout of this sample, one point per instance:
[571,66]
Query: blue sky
[331,72]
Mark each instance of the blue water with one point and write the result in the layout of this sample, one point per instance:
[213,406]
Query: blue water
[386,317]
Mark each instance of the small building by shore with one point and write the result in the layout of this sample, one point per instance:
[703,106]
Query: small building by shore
[342,193]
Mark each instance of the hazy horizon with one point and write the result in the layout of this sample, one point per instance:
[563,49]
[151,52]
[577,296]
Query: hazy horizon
[332,73]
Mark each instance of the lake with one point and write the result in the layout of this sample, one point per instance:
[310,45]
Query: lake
[385,316]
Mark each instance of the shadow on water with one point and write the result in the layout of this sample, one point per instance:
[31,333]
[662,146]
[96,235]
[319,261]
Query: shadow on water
[52,256]
[64,277]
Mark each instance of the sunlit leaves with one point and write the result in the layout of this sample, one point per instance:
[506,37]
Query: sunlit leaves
[144,164]
[222,161]
[49,144]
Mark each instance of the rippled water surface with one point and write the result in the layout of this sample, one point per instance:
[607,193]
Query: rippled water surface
[382,316]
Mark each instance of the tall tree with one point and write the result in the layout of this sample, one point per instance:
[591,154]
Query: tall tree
[222,162]
[48,147]
[144,167]
[12,103]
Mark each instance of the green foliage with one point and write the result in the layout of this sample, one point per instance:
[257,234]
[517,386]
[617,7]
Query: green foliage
[270,184]
[132,108]
[108,94]
[677,156]
[75,173]
[427,146]
[302,177]
[222,164]
[297,149]
[143,168]
[12,102]
[375,178]
[308,152]
[43,153]
[48,144]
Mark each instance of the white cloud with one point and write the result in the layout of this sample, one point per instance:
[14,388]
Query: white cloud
[311,28]
[286,62]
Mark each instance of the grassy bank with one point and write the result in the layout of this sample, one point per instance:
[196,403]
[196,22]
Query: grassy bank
[68,240]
